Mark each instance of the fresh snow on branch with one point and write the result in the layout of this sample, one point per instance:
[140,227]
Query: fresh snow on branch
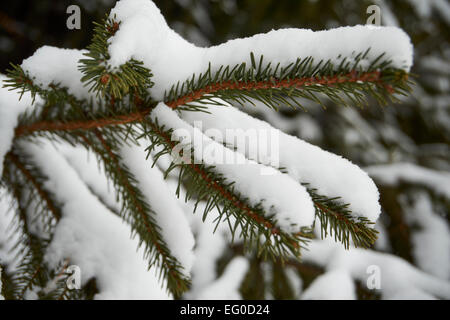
[92,172]
[56,66]
[145,36]
[94,239]
[10,109]
[169,216]
[331,174]
[275,191]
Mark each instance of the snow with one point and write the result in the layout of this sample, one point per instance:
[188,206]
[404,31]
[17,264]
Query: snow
[1,285]
[10,109]
[295,282]
[398,278]
[424,8]
[144,35]
[281,194]
[7,239]
[169,216]
[210,245]
[333,285]
[431,242]
[99,242]
[438,181]
[51,65]
[92,172]
[226,287]
[331,174]
[95,239]
[208,250]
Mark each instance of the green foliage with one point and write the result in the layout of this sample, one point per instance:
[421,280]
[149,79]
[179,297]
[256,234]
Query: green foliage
[117,117]
[32,203]
[131,78]
[335,217]
[135,209]
[346,83]
[256,228]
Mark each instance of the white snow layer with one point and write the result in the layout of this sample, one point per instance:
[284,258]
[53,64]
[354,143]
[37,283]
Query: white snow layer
[331,174]
[169,216]
[226,287]
[431,242]
[391,174]
[57,66]
[398,279]
[282,195]
[144,35]
[333,285]
[95,239]
[10,109]
[92,172]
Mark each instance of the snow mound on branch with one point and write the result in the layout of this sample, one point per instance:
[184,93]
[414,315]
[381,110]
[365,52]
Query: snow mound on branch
[169,216]
[144,35]
[57,66]
[94,238]
[278,192]
[331,174]
[10,109]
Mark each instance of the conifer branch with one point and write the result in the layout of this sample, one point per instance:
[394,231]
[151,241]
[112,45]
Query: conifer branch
[36,181]
[124,100]
[305,78]
[31,271]
[130,78]
[335,217]
[137,212]
[256,229]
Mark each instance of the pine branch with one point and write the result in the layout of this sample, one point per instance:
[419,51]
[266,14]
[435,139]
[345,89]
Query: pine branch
[131,78]
[256,229]
[35,178]
[124,100]
[335,217]
[136,211]
[276,86]
[32,273]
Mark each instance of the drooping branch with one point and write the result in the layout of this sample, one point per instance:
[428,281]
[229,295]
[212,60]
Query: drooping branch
[31,272]
[296,83]
[137,212]
[210,186]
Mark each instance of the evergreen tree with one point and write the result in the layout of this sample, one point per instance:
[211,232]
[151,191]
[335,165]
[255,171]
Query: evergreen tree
[139,98]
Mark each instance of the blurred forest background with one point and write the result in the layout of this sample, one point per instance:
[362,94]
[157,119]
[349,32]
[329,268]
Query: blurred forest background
[404,147]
